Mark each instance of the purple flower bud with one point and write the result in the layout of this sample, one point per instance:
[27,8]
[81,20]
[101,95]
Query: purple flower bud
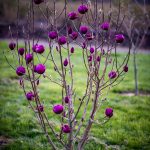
[105,26]
[58,109]
[66,128]
[30,96]
[40,68]
[89,36]
[74,35]
[90,58]
[62,40]
[109,112]
[38,81]
[98,58]
[103,51]
[112,74]
[73,15]
[12,45]
[40,108]
[21,51]
[66,99]
[72,50]
[38,1]
[82,9]
[53,35]
[65,62]
[29,58]
[119,38]
[69,30]
[34,69]
[40,49]
[84,29]
[83,45]
[20,71]
[125,68]
[92,50]
[34,47]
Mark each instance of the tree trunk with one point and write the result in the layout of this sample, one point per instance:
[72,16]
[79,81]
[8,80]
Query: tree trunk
[135,72]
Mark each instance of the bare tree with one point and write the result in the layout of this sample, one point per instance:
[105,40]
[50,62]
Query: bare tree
[93,35]
[136,24]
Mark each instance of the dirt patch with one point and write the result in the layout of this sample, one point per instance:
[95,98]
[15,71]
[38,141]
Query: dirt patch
[4,141]
[129,93]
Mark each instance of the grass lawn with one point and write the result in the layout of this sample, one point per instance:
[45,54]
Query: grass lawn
[128,129]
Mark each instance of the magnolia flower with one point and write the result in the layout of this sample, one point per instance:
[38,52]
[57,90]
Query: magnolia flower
[40,68]
[58,109]
[84,29]
[40,49]
[112,74]
[52,35]
[62,40]
[21,51]
[28,57]
[105,26]
[125,68]
[20,71]
[12,45]
[66,128]
[109,112]
[65,62]
[82,9]
[29,96]
[119,38]
[73,15]
[38,1]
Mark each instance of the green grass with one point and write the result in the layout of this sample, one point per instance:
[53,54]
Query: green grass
[128,129]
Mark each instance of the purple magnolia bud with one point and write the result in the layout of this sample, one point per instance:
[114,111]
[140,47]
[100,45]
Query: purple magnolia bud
[40,108]
[103,51]
[40,68]
[62,40]
[20,71]
[34,69]
[30,96]
[82,9]
[119,38]
[98,58]
[74,35]
[12,45]
[53,35]
[83,45]
[66,99]
[92,50]
[69,30]
[73,15]
[21,51]
[38,81]
[90,58]
[84,29]
[72,50]
[112,74]
[34,47]
[38,1]
[66,128]
[40,49]
[29,58]
[109,112]
[105,26]
[89,36]
[125,68]
[65,62]
[58,109]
